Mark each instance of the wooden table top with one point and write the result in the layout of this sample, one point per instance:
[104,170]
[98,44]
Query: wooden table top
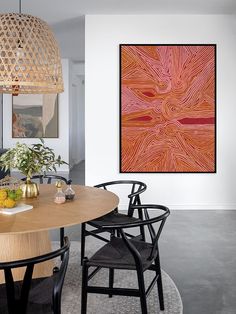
[89,203]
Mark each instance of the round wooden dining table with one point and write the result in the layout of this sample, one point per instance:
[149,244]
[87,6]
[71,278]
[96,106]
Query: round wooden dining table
[25,234]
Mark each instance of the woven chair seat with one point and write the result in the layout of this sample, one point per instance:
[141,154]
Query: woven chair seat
[40,296]
[112,218]
[115,254]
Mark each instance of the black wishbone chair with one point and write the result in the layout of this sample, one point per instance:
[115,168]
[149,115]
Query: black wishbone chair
[42,295]
[133,191]
[130,254]
[49,179]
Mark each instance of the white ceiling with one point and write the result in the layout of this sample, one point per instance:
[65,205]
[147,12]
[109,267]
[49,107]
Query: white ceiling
[55,11]
[67,16]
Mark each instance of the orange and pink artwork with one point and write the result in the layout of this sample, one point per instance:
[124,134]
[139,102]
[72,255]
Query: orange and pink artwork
[168,108]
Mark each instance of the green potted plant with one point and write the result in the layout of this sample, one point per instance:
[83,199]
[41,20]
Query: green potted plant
[31,160]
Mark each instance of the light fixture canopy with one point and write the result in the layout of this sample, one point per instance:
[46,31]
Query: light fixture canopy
[30,61]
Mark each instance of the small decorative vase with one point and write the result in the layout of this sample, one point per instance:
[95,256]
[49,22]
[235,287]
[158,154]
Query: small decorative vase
[60,195]
[29,189]
[69,192]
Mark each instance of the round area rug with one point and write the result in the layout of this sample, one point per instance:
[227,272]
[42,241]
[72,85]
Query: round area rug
[102,304]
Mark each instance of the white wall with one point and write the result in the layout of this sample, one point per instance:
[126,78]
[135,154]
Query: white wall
[60,144]
[103,36]
[70,37]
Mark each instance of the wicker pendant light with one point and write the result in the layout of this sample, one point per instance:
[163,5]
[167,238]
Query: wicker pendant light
[30,61]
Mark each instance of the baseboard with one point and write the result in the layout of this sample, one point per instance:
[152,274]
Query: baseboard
[203,207]
[194,206]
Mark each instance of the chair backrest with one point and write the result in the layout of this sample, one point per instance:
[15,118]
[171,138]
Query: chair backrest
[19,305]
[48,178]
[133,190]
[153,225]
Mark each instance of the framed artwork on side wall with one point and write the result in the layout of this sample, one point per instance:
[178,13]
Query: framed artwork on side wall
[168,108]
[35,115]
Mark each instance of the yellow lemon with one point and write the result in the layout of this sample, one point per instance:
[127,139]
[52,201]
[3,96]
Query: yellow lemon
[3,195]
[1,204]
[9,203]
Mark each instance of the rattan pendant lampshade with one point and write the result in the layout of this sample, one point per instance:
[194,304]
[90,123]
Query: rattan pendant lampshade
[30,61]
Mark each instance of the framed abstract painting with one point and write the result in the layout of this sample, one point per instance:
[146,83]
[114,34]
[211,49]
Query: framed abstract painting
[35,116]
[168,108]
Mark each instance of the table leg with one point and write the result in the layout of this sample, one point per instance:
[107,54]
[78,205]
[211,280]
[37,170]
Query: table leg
[26,245]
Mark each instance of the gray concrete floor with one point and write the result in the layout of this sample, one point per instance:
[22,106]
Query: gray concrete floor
[198,251]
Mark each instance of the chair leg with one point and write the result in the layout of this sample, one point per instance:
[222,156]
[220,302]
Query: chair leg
[57,304]
[111,279]
[142,232]
[82,243]
[140,216]
[142,292]
[62,234]
[159,283]
[84,292]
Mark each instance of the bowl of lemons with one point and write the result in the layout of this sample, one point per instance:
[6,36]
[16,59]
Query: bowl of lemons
[9,197]
[10,192]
